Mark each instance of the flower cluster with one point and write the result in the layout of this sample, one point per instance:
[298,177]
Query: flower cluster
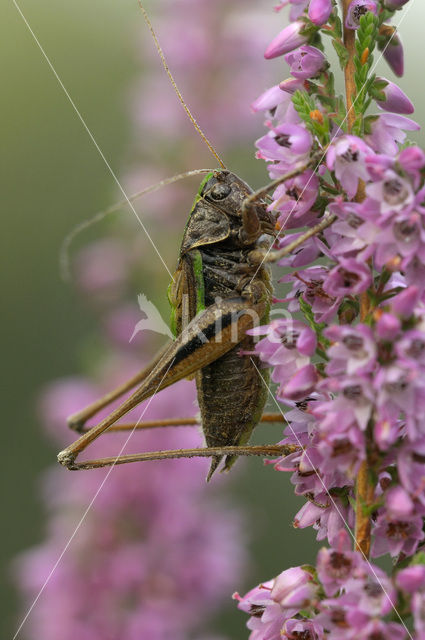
[350,367]
[343,597]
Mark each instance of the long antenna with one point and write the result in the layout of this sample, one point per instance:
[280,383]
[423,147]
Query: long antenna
[100,215]
[176,89]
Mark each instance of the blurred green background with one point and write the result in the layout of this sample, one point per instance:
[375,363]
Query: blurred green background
[52,178]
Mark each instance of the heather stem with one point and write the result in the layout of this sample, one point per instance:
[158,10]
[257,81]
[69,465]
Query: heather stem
[364,487]
[350,87]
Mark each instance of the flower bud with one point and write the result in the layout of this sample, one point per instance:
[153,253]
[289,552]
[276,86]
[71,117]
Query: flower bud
[288,39]
[395,99]
[319,11]
[392,49]
[394,4]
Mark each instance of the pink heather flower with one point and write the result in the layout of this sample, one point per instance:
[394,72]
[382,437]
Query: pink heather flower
[308,629]
[412,160]
[342,448]
[371,593]
[353,350]
[417,604]
[300,385]
[270,99]
[411,579]
[291,37]
[347,158]
[349,277]
[411,468]
[119,326]
[298,8]
[398,503]
[386,430]
[328,519]
[357,9]
[309,283]
[267,616]
[374,629]
[397,536]
[387,131]
[309,251]
[305,62]
[388,326]
[293,589]
[393,193]
[286,142]
[288,346]
[355,399]
[294,199]
[319,11]
[405,302]
[395,99]
[410,348]
[337,565]
[393,53]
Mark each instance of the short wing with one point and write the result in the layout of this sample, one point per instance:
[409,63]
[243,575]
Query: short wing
[186,292]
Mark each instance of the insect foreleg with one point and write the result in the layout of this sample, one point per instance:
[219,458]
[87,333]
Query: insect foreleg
[261,256]
[255,196]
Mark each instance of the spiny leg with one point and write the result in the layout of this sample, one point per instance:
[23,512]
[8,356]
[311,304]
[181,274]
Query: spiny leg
[261,256]
[77,421]
[252,226]
[261,193]
[151,424]
[183,357]
[266,418]
[205,452]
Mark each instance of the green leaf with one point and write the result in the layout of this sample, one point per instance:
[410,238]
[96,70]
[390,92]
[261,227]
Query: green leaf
[341,52]
[336,24]
[418,558]
[307,312]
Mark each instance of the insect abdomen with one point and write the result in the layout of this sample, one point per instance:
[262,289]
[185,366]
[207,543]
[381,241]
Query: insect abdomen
[231,397]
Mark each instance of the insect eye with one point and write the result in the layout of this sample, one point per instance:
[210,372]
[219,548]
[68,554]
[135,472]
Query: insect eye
[220,191]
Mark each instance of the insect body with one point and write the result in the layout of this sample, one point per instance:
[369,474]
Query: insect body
[214,266]
[217,294]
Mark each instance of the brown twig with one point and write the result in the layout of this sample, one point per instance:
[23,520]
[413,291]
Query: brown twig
[364,486]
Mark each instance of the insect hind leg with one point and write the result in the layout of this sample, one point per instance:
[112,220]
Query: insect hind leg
[202,452]
[191,421]
[77,421]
